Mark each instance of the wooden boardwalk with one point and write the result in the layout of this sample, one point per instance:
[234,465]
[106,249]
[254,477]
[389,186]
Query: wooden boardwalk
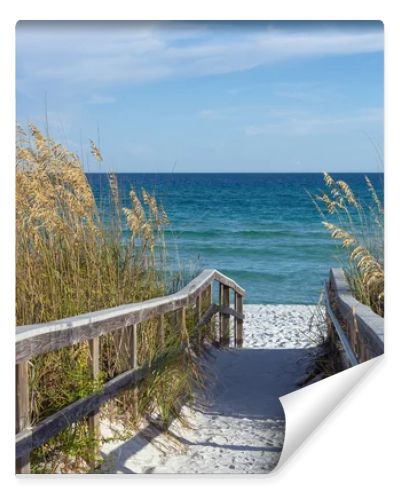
[238,425]
[34,340]
[237,374]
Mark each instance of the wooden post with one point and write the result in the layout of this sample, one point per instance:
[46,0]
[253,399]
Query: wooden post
[362,353]
[134,364]
[225,317]
[198,318]
[239,321]
[22,411]
[220,313]
[235,321]
[161,330]
[355,334]
[209,330]
[330,328]
[182,326]
[94,417]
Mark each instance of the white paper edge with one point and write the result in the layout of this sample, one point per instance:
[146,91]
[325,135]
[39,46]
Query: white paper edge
[305,409]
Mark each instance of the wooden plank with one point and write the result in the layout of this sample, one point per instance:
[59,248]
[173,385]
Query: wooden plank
[363,356]
[355,334]
[22,413]
[94,417]
[33,340]
[369,324]
[235,320]
[231,312]
[329,325]
[133,330]
[207,316]
[133,347]
[220,299]
[350,356]
[206,277]
[225,316]
[213,309]
[182,327]
[74,330]
[210,330]
[161,331]
[31,438]
[198,319]
[239,320]
[228,282]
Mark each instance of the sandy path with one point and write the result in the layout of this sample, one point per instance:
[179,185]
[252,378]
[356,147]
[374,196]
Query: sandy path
[282,326]
[238,425]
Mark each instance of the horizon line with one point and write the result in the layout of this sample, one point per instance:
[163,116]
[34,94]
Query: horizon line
[243,173]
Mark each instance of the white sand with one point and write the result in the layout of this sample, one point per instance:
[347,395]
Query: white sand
[238,425]
[282,326]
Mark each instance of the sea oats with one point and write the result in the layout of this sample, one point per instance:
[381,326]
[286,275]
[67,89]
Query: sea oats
[95,151]
[68,262]
[328,179]
[348,193]
[137,207]
[374,194]
[113,182]
[360,229]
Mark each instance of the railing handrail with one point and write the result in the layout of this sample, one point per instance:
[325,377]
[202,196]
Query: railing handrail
[352,358]
[33,340]
[365,327]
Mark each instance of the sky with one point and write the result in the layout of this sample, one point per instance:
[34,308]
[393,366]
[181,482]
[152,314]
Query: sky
[207,96]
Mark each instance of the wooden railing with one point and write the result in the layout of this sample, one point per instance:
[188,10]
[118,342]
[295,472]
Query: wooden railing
[34,340]
[360,330]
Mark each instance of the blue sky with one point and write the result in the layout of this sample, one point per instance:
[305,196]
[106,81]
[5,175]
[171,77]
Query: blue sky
[207,96]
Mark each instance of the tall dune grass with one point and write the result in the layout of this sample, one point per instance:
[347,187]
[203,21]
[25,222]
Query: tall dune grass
[359,227]
[68,262]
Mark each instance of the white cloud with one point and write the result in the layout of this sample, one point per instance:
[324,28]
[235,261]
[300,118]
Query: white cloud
[148,52]
[301,122]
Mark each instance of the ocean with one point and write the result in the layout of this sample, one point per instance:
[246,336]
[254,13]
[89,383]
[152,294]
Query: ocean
[262,230]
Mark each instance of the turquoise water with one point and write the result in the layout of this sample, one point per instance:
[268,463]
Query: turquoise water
[260,229]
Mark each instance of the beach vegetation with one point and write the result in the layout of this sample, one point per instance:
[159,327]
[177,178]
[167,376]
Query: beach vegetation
[70,261]
[358,226]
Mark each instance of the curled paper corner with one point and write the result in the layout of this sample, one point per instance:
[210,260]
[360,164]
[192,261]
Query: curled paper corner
[306,408]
